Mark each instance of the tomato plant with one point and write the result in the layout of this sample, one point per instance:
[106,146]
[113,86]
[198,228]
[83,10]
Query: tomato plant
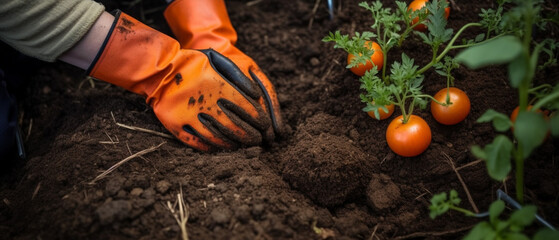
[382,112]
[495,228]
[418,5]
[455,107]
[408,139]
[402,84]
[377,59]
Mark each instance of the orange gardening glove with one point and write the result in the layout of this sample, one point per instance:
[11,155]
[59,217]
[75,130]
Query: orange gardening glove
[205,24]
[200,96]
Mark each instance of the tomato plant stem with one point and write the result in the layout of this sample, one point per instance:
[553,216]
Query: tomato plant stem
[475,44]
[519,174]
[385,59]
[401,104]
[434,99]
[447,48]
[462,210]
[542,102]
[523,92]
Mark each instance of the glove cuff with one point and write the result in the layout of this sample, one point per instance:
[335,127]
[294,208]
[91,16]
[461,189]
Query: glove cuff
[116,14]
[201,24]
[135,56]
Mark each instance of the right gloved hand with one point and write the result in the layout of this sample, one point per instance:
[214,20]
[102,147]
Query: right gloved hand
[200,96]
[205,24]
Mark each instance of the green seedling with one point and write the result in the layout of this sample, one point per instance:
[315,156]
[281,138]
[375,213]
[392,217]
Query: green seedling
[521,56]
[495,228]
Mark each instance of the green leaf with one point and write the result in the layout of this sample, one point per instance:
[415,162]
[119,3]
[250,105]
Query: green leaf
[518,69]
[500,50]
[479,37]
[546,234]
[498,157]
[523,217]
[479,152]
[530,129]
[454,199]
[554,124]
[501,122]
[515,236]
[482,230]
[495,209]
[438,205]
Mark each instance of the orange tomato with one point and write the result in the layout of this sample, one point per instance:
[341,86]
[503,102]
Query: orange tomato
[382,114]
[418,4]
[377,59]
[408,139]
[457,111]
[514,114]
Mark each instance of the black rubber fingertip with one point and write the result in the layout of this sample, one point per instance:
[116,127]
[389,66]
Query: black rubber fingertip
[268,101]
[217,129]
[231,108]
[232,73]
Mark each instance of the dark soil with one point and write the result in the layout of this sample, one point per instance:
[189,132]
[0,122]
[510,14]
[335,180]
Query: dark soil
[333,170]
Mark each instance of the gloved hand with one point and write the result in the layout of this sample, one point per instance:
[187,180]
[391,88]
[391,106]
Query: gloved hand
[200,96]
[205,24]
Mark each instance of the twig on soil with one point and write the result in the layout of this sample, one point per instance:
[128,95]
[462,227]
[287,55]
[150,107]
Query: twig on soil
[251,3]
[87,79]
[180,215]
[313,13]
[29,129]
[36,191]
[140,153]
[327,73]
[454,5]
[374,232]
[139,129]
[470,164]
[432,234]
[470,199]
[111,140]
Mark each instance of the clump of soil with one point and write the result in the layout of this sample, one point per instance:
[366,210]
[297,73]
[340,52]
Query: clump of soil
[328,169]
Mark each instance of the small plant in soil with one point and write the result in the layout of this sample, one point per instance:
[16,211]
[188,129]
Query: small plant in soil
[495,228]
[530,125]
[400,83]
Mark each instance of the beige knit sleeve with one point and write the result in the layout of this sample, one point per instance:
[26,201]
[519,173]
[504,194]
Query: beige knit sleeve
[45,29]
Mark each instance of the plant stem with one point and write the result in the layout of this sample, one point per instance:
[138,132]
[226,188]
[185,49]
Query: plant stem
[462,210]
[402,105]
[385,60]
[433,99]
[447,48]
[536,89]
[474,44]
[523,91]
[519,159]
[545,100]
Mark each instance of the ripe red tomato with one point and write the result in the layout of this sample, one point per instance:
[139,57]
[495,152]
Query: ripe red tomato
[514,114]
[457,111]
[377,59]
[418,4]
[409,139]
[382,114]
